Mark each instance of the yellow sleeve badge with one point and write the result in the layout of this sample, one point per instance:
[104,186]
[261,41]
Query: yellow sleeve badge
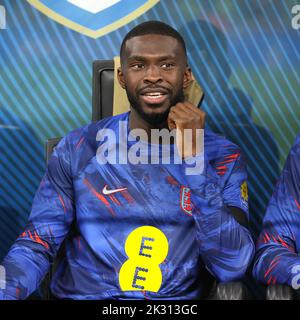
[244,193]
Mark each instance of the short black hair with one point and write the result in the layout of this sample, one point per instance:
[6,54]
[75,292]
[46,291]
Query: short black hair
[153,27]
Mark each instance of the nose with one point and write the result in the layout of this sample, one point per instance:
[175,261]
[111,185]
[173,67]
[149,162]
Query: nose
[152,74]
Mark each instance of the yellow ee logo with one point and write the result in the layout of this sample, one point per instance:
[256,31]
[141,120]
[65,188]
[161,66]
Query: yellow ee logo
[146,247]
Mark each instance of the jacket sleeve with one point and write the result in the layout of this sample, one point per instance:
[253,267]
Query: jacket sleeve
[225,246]
[277,260]
[28,260]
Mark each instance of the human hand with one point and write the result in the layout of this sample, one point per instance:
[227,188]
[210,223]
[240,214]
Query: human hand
[189,121]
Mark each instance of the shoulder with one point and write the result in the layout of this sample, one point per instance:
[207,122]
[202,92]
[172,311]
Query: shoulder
[218,148]
[80,145]
[224,156]
[88,133]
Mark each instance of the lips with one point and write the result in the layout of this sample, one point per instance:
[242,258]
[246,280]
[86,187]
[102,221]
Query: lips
[154,96]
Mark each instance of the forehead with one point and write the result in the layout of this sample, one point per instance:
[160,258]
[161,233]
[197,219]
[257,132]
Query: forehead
[153,45]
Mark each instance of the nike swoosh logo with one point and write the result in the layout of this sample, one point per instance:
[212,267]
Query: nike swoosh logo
[107,192]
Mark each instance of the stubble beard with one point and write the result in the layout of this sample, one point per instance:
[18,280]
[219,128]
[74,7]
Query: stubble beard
[154,119]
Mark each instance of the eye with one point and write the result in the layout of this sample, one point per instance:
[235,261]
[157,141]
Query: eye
[167,65]
[137,66]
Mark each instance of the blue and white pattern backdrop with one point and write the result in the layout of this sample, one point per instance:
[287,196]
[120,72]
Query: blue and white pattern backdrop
[244,53]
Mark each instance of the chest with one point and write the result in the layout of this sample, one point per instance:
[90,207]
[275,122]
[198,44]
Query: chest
[135,192]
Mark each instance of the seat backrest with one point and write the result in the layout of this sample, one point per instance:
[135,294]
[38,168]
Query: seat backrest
[103,89]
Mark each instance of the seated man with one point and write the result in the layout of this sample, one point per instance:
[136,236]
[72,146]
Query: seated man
[277,259]
[140,230]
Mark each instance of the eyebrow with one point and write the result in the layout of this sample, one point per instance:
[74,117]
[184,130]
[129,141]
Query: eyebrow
[141,58]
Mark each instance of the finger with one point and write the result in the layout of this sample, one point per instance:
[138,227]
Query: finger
[193,108]
[188,109]
[171,121]
[197,112]
[180,110]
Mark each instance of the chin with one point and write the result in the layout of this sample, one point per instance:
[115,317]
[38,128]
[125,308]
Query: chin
[154,114]
[157,115]
[155,108]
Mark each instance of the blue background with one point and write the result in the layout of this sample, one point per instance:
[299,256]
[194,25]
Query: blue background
[245,55]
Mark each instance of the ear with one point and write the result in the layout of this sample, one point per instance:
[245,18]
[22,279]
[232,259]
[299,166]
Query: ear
[121,77]
[187,77]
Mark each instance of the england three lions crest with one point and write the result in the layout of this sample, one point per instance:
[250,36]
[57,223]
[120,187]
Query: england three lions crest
[185,200]
[93,18]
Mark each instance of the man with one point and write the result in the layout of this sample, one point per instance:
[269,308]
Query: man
[141,230]
[277,259]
